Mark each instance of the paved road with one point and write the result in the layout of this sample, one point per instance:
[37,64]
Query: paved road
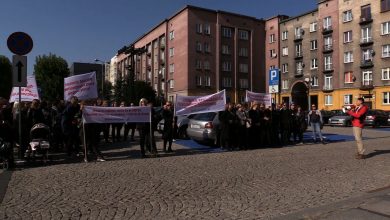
[198,184]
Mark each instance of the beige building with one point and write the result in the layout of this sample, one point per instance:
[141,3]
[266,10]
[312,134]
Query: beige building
[199,51]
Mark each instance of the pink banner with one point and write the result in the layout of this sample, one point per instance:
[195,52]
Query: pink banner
[186,105]
[258,97]
[95,114]
[29,93]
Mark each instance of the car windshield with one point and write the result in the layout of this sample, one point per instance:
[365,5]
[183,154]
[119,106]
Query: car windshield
[209,116]
[339,113]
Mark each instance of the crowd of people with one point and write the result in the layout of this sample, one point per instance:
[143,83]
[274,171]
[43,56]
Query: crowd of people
[240,127]
[260,126]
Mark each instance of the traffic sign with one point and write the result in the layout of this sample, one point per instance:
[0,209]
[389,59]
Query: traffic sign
[273,89]
[19,67]
[20,43]
[274,77]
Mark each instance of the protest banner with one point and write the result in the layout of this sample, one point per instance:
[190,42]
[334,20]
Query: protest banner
[82,86]
[28,93]
[258,97]
[96,114]
[185,105]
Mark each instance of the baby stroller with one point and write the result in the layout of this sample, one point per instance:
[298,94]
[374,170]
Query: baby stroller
[39,144]
[5,154]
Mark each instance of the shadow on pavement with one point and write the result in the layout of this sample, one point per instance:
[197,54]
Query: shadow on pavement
[377,153]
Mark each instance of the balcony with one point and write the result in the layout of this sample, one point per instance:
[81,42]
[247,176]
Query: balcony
[298,37]
[328,48]
[162,62]
[365,64]
[298,55]
[327,88]
[298,73]
[149,67]
[366,42]
[149,53]
[162,46]
[365,20]
[327,30]
[367,85]
[328,69]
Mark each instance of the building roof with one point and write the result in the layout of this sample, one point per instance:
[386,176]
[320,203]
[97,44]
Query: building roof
[301,15]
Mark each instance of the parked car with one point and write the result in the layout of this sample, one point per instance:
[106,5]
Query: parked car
[203,128]
[340,119]
[388,119]
[376,118]
[326,115]
[182,125]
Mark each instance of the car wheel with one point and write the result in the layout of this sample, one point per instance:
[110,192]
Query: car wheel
[348,124]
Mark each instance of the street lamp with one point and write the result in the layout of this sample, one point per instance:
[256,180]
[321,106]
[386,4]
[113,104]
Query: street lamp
[103,64]
[308,82]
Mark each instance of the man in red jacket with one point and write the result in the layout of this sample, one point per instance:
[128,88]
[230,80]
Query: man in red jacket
[358,114]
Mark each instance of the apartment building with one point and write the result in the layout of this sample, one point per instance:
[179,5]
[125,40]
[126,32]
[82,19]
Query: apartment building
[337,53]
[199,51]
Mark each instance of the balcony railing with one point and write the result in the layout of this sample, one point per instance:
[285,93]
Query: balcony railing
[366,64]
[366,41]
[298,37]
[367,85]
[327,88]
[328,48]
[327,30]
[365,19]
[299,72]
[298,55]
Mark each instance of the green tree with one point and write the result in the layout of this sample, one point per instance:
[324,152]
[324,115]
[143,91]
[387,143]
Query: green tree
[5,77]
[141,90]
[118,89]
[50,71]
[107,90]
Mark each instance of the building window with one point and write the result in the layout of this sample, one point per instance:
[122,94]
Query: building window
[347,36]
[348,57]
[314,64]
[284,35]
[328,100]
[328,62]
[328,82]
[348,77]
[285,84]
[272,38]
[348,99]
[171,68]
[198,64]
[207,47]
[298,32]
[367,78]
[313,27]
[298,50]
[366,35]
[313,45]
[207,29]
[198,46]
[327,23]
[226,66]
[226,49]
[227,82]
[314,81]
[206,65]
[171,84]
[272,53]
[386,73]
[386,50]
[244,83]
[171,51]
[207,81]
[199,28]
[386,98]
[365,12]
[299,68]
[285,51]
[272,67]
[170,98]
[226,32]
[198,80]
[367,55]
[328,41]
[243,52]
[171,35]
[285,68]
[385,5]
[347,16]
[385,28]
[243,67]
[243,35]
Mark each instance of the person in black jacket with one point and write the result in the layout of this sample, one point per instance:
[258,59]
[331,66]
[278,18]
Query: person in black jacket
[227,124]
[35,114]
[285,124]
[300,124]
[70,128]
[254,131]
[144,129]
[169,126]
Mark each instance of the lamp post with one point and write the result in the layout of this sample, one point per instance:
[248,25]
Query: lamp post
[103,72]
[308,82]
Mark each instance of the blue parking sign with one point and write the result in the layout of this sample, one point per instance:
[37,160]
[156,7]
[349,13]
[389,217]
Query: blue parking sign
[274,77]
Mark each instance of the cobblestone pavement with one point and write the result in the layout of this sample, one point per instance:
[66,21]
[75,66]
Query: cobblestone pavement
[255,184]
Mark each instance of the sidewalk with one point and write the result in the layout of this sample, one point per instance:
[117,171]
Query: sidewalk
[374,205]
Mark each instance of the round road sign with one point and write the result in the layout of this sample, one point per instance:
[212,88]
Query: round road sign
[20,43]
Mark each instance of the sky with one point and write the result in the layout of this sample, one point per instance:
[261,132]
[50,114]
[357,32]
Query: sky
[85,30]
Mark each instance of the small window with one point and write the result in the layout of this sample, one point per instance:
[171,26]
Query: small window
[171,68]
[314,81]
[206,65]
[206,47]
[285,51]
[226,49]
[171,51]
[226,66]
[347,36]
[386,73]
[243,67]
[226,32]
[386,98]
[244,83]
[328,100]
[285,84]
[313,27]
[171,35]
[272,53]
[327,23]
[348,99]
[385,5]
[386,51]
[199,28]
[198,47]
[207,81]
[227,82]
[314,64]
[285,68]
[198,80]
[207,29]
[385,28]
[198,64]
[244,35]
[348,77]
[243,52]
[347,16]
[313,45]
[348,57]
[284,35]
[272,38]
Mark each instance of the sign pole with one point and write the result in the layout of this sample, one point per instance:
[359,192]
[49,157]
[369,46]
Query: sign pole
[151,130]
[85,145]
[20,123]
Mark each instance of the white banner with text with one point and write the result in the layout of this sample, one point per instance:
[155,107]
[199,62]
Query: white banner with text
[29,93]
[82,86]
[186,105]
[258,97]
[96,114]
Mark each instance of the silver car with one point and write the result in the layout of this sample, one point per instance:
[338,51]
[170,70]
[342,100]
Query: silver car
[203,128]
[182,124]
[340,119]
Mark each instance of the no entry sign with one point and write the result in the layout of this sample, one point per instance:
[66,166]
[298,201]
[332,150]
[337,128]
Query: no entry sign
[20,43]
